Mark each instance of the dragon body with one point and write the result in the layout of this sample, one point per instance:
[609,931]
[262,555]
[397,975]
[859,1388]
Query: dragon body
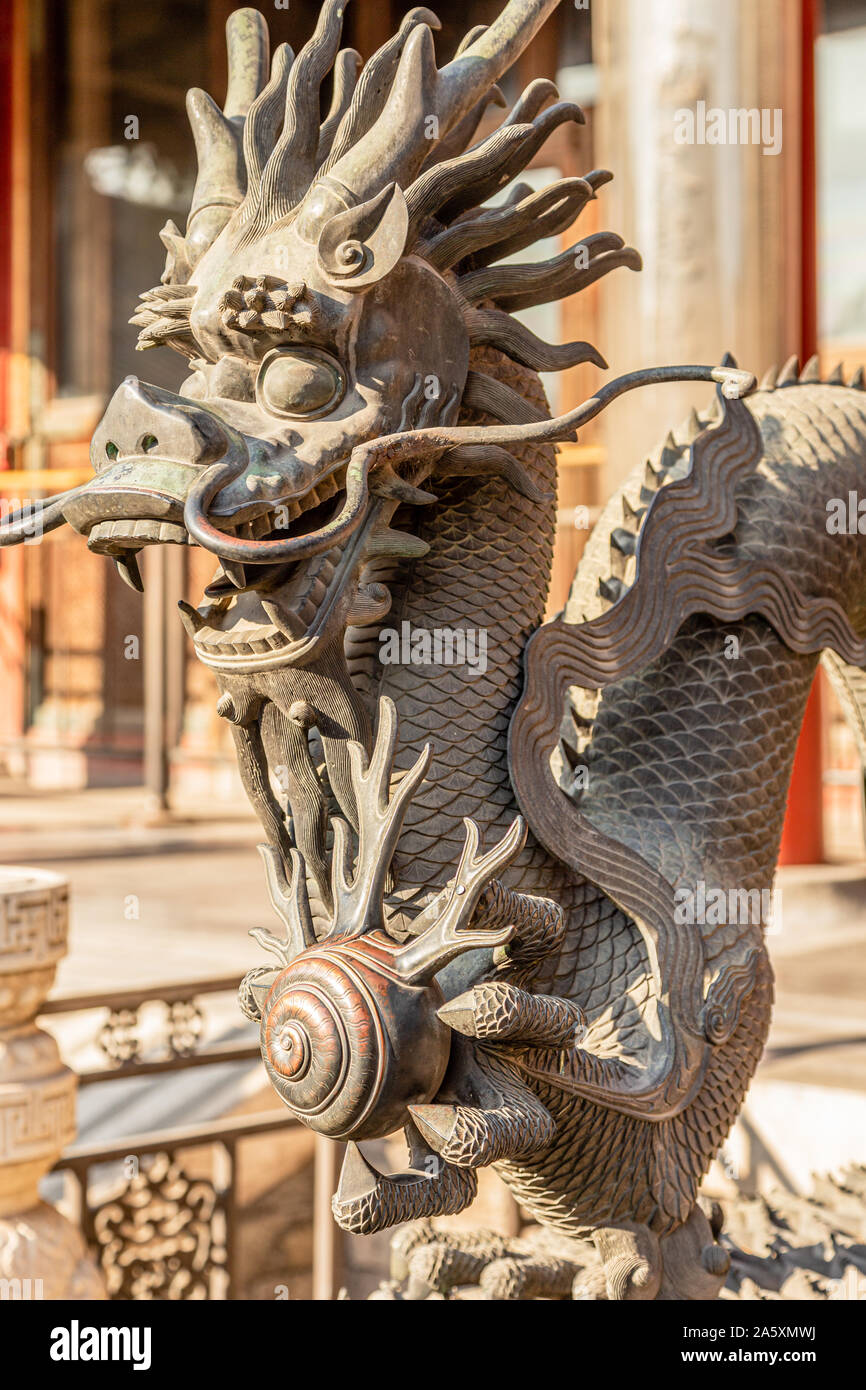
[545,950]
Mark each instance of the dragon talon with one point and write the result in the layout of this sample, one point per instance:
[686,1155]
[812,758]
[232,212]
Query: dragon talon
[500,1012]
[366,1201]
[358,1177]
[436,1123]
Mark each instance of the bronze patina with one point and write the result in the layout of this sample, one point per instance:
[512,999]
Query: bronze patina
[493,950]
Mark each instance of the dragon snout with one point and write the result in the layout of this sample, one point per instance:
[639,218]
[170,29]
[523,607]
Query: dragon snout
[147,452]
[146,423]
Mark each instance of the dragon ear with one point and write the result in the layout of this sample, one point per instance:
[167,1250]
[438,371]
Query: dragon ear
[360,246]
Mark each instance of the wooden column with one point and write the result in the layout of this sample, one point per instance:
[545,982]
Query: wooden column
[727,232]
[718,226]
[803,834]
[327,1236]
[14,412]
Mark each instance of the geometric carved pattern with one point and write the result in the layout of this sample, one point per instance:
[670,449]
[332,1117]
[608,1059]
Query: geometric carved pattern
[33,920]
[37,1120]
[184,1025]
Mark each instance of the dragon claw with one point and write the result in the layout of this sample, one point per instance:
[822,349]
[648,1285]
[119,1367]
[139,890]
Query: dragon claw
[367,1201]
[496,1011]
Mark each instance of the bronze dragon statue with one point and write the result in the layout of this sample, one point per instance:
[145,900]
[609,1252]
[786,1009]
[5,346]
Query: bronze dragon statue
[541,953]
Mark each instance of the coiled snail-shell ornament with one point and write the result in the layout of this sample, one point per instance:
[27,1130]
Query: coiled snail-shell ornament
[348,1043]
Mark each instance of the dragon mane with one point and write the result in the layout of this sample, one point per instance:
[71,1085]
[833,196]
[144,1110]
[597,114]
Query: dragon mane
[270,159]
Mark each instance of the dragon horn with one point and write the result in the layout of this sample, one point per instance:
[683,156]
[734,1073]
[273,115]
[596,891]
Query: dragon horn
[396,145]
[221,181]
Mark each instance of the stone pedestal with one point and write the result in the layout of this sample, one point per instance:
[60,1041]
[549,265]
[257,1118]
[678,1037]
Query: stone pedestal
[41,1254]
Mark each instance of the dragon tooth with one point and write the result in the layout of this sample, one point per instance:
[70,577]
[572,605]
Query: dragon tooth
[285,621]
[126,565]
[190,617]
[857,380]
[812,370]
[836,378]
[235,573]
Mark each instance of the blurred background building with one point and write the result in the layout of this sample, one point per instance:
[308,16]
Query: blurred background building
[107,722]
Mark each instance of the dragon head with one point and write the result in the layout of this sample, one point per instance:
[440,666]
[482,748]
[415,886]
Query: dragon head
[333,280]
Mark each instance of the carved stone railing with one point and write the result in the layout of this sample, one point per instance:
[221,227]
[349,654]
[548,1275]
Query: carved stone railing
[41,1254]
[144,1225]
[159,1226]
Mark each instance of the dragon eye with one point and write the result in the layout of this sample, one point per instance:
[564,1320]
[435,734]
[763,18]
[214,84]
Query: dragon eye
[299,383]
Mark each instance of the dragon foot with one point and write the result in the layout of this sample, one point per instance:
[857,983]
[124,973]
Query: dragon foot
[427,1262]
[366,1201]
[625,1262]
[510,1123]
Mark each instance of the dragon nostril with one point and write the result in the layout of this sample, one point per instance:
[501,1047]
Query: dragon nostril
[111,450]
[149,442]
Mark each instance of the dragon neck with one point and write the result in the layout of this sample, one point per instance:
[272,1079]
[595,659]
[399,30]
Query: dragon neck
[487,573]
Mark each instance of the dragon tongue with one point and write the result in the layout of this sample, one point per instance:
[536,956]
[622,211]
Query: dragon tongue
[126,565]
